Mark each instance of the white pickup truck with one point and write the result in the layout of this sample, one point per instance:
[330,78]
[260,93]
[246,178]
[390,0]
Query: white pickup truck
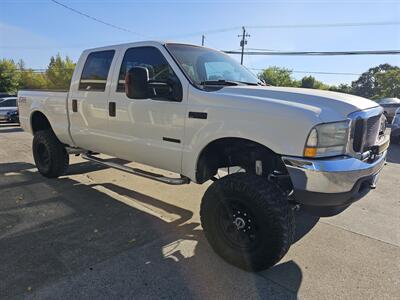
[192,111]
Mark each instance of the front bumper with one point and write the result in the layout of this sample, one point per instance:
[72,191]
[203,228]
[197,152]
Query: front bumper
[327,186]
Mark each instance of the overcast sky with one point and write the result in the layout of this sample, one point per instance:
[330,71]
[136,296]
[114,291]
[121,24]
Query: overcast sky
[35,30]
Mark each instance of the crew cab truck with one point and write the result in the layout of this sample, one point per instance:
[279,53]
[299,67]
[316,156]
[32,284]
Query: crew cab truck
[193,111]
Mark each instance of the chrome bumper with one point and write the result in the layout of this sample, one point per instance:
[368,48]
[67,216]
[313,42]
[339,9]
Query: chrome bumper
[336,175]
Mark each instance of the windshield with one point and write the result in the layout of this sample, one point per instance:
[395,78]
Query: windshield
[203,65]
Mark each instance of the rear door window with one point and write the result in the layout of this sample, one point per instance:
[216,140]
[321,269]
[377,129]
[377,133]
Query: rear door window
[95,72]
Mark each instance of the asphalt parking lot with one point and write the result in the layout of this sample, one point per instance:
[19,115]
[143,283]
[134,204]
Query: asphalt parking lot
[98,233]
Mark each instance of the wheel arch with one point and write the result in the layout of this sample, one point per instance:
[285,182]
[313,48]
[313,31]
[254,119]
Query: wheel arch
[39,121]
[234,151]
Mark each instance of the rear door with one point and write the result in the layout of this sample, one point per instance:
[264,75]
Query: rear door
[148,131]
[88,100]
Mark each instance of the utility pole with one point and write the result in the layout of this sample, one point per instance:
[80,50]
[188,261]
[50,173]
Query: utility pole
[202,39]
[243,42]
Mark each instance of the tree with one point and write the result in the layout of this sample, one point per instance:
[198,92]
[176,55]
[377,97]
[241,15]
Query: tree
[59,72]
[277,76]
[9,76]
[342,88]
[30,79]
[368,85]
[308,82]
[389,84]
[320,85]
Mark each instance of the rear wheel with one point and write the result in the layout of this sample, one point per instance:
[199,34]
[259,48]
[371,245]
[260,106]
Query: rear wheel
[49,154]
[247,221]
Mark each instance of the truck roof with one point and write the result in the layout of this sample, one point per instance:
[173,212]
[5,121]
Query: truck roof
[141,43]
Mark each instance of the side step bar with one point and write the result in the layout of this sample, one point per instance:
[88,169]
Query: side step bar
[139,172]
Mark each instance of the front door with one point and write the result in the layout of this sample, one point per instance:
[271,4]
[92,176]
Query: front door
[151,130]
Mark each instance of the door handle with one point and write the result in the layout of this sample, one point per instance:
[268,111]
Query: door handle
[112,111]
[74,105]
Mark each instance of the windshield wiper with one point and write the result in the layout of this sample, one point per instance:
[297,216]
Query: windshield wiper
[220,82]
[249,83]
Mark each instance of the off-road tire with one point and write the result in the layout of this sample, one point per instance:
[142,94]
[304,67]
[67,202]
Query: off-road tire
[57,158]
[271,211]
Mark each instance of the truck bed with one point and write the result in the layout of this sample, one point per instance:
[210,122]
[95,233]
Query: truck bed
[52,103]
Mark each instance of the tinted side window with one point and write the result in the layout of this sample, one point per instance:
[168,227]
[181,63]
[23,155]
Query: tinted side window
[154,61]
[95,72]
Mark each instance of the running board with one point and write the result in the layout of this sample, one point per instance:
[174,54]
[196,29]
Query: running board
[75,151]
[138,172]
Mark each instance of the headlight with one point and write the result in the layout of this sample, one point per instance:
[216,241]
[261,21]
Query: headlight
[328,139]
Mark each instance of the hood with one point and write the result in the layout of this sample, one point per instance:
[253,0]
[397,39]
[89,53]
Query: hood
[329,106]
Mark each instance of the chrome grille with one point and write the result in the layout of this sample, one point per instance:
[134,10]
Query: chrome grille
[365,130]
[373,126]
[358,135]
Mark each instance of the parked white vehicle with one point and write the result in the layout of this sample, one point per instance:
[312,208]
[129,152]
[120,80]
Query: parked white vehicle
[193,110]
[8,105]
[395,126]
[390,105]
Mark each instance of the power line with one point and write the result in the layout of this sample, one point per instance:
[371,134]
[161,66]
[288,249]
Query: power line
[206,32]
[69,46]
[326,25]
[95,19]
[289,26]
[318,53]
[257,49]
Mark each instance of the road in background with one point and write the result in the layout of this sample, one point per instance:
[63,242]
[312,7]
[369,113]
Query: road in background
[100,233]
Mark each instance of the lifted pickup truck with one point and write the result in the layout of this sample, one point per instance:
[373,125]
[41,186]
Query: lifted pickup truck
[192,111]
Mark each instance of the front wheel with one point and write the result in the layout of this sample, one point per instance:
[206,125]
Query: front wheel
[247,221]
[49,154]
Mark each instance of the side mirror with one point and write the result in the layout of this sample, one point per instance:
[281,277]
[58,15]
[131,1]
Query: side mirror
[136,83]
[138,86]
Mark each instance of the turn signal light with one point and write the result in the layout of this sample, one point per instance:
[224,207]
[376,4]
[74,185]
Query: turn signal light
[310,152]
